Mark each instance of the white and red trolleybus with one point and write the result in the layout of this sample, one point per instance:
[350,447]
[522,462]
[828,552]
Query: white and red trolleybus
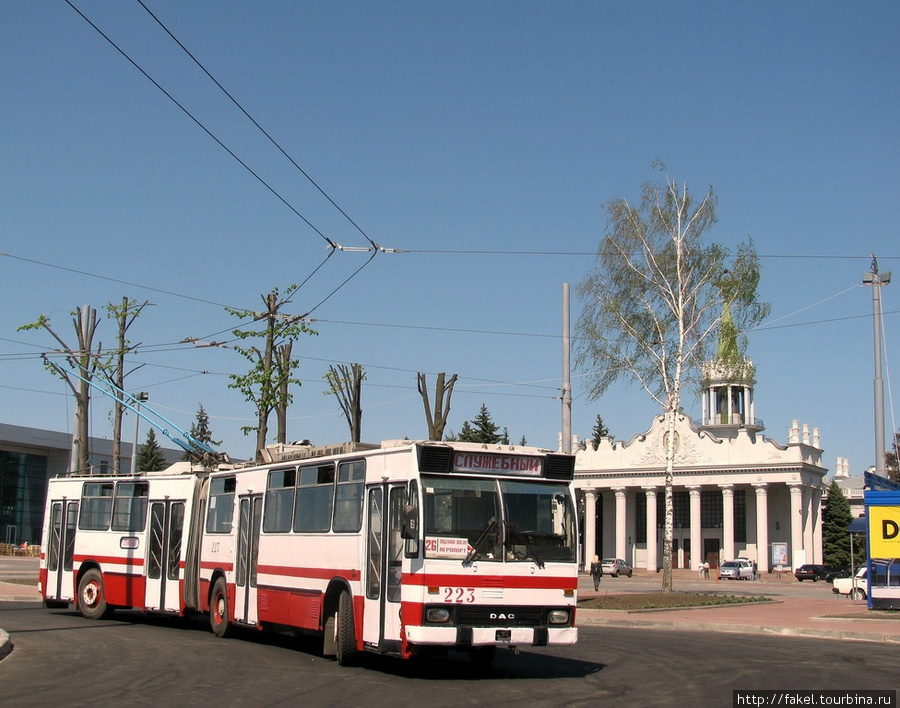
[406,548]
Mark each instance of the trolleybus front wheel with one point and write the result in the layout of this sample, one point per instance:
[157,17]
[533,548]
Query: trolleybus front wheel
[345,641]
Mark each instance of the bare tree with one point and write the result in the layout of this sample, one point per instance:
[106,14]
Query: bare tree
[113,368]
[437,420]
[345,383]
[84,363]
[654,300]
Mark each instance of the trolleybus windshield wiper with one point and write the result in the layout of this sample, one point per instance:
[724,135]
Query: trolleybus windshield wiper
[523,539]
[488,530]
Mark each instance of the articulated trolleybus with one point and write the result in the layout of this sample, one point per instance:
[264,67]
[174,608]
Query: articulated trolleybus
[406,548]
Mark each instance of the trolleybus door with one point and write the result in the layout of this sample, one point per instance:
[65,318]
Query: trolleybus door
[61,550]
[164,550]
[249,523]
[384,566]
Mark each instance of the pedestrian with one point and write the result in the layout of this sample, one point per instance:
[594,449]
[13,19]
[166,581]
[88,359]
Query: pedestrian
[754,570]
[706,569]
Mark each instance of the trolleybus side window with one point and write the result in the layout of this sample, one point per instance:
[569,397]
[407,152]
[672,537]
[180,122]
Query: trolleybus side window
[315,499]
[412,544]
[221,505]
[130,506]
[96,506]
[349,495]
[373,545]
[279,501]
[176,532]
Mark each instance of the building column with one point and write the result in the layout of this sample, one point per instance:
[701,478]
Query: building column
[796,523]
[697,555]
[621,525]
[652,552]
[817,549]
[762,528]
[590,527]
[727,521]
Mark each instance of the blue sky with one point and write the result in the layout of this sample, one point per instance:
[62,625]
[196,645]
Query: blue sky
[481,138]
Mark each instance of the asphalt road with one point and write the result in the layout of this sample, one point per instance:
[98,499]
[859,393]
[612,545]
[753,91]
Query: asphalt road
[61,658]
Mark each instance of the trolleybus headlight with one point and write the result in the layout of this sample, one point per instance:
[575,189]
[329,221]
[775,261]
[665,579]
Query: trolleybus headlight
[437,614]
[558,616]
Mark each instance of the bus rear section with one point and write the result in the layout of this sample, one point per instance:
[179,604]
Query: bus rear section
[118,542]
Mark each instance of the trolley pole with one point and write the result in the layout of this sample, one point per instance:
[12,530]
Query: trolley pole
[876,280]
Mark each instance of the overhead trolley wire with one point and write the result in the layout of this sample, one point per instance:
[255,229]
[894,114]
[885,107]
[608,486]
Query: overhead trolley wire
[256,123]
[332,245]
[206,130]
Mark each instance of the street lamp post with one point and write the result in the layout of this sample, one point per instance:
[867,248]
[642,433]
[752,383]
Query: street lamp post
[876,280]
[139,398]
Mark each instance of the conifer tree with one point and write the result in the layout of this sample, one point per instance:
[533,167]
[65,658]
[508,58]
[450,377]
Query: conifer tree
[600,431]
[836,517]
[150,455]
[482,429]
[201,432]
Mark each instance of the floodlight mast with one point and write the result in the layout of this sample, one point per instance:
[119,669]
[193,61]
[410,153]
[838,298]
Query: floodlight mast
[876,280]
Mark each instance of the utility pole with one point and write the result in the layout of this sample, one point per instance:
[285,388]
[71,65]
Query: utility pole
[566,376]
[876,280]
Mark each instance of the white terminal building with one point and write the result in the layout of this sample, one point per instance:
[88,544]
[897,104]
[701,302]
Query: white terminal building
[736,493]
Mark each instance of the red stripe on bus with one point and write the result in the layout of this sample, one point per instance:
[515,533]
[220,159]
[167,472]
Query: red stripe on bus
[530,582]
[110,559]
[310,573]
[213,565]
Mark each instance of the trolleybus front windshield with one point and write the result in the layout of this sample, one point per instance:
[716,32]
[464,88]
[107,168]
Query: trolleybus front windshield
[498,520]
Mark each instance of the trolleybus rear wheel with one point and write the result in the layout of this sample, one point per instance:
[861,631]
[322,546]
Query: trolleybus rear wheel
[218,609]
[91,596]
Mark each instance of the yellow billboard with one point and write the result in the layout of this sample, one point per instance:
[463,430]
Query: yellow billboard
[884,531]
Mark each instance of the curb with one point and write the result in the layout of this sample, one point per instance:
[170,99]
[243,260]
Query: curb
[5,645]
[739,629]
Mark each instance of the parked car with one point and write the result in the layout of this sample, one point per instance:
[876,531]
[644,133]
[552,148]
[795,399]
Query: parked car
[811,571]
[838,573]
[736,570]
[855,587]
[615,567]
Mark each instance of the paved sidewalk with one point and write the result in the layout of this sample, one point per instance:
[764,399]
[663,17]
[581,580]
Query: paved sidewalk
[830,618]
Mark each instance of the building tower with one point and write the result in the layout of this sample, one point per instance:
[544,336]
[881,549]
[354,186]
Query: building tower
[727,386]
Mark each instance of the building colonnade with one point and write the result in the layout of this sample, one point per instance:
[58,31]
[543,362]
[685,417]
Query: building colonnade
[771,523]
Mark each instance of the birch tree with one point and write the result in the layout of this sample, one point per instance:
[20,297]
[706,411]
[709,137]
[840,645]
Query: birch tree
[654,301]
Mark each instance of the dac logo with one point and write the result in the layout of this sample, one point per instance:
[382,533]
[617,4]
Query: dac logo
[502,616]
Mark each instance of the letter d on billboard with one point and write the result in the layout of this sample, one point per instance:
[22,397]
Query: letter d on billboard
[884,531]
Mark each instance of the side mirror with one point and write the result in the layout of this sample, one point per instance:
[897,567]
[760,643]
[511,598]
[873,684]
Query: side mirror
[410,522]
